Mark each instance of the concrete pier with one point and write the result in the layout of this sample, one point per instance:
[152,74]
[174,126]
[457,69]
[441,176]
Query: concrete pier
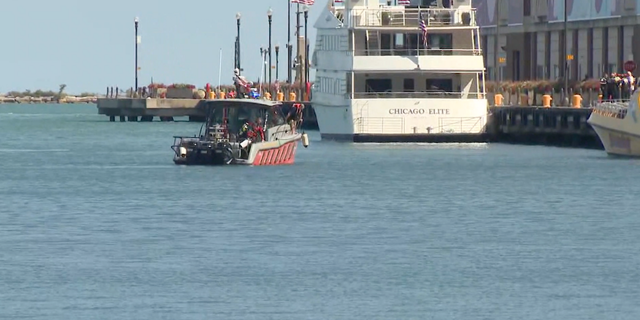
[146,110]
[562,127]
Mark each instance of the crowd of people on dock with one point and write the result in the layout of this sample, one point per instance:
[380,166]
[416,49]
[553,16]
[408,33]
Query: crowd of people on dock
[617,86]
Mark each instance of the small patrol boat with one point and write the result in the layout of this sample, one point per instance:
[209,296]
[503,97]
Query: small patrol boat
[243,132]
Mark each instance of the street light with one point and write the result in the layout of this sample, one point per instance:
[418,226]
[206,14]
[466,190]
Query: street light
[239,66]
[565,60]
[289,42]
[277,61]
[306,49]
[263,58]
[269,16]
[135,23]
[298,57]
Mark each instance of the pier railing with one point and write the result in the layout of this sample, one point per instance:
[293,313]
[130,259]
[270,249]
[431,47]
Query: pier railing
[399,16]
[416,52]
[418,95]
[615,109]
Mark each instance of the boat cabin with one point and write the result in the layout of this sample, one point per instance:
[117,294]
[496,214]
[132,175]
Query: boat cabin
[235,113]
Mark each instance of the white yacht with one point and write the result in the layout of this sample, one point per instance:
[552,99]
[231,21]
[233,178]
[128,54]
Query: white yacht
[616,124]
[376,79]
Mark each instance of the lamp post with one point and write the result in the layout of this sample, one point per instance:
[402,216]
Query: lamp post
[135,23]
[264,65]
[262,50]
[298,57]
[239,66]
[289,42]
[306,49]
[565,73]
[269,16]
[277,61]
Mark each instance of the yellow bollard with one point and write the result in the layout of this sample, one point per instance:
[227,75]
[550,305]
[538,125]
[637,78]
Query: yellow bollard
[292,96]
[497,99]
[222,95]
[267,95]
[212,95]
[576,102]
[280,96]
[546,101]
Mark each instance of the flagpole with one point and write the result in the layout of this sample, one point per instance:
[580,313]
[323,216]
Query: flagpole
[418,42]
[220,72]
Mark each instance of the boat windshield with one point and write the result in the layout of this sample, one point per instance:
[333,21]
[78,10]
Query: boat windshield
[275,116]
[268,117]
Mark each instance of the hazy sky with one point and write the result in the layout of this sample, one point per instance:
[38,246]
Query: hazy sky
[89,45]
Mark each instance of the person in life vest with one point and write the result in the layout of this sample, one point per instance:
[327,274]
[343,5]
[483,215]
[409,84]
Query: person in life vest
[294,117]
[246,134]
[258,130]
[246,131]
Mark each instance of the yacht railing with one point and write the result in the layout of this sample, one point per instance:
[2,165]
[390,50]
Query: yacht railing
[614,109]
[416,52]
[418,95]
[399,16]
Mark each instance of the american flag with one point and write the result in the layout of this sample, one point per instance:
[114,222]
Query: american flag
[404,2]
[423,28]
[307,2]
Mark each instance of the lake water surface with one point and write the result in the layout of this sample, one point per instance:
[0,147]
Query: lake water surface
[98,223]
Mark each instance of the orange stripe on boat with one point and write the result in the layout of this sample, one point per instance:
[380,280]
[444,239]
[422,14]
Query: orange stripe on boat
[278,157]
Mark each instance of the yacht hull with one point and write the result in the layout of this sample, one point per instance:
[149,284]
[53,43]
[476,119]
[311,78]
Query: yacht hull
[410,138]
[617,125]
[399,120]
[618,143]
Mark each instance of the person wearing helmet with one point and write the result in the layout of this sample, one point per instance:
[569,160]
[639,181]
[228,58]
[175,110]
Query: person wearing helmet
[294,117]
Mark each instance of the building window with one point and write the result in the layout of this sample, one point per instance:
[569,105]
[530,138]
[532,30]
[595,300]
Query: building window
[526,8]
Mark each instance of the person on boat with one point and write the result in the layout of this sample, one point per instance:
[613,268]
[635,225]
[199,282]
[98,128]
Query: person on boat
[603,87]
[258,130]
[294,117]
[630,84]
[612,86]
[243,86]
[247,134]
[247,130]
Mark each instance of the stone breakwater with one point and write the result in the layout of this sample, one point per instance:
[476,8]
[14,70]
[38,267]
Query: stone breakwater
[67,99]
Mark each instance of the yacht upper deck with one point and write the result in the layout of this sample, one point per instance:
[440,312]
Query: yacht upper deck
[398,17]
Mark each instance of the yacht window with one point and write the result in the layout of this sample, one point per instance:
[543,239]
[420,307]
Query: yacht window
[408,85]
[399,41]
[378,85]
[385,43]
[439,85]
[441,41]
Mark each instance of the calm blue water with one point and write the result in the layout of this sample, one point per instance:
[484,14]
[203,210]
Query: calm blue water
[97,223]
